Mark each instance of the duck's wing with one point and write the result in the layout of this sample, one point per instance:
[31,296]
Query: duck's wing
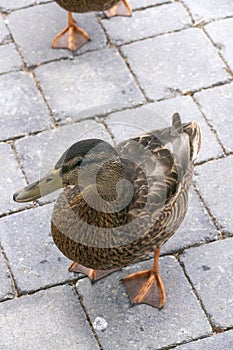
[160,160]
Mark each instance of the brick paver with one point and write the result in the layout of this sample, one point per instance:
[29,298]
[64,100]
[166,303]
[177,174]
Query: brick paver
[170,56]
[218,198]
[4,33]
[46,320]
[151,21]
[212,266]
[20,100]
[220,31]
[6,291]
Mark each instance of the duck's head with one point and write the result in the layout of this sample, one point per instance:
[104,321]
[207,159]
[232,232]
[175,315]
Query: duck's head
[84,159]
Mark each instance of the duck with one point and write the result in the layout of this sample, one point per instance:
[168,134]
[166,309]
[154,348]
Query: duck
[121,203]
[74,37]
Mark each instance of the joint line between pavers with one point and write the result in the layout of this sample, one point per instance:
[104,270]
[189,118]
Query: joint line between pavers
[215,132]
[228,69]
[13,282]
[196,293]
[213,218]
[88,318]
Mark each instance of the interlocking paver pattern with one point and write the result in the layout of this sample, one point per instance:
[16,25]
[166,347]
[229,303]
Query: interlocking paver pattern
[49,319]
[142,326]
[151,21]
[212,266]
[171,56]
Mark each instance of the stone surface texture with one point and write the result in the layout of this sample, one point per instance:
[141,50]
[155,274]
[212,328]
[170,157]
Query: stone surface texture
[134,74]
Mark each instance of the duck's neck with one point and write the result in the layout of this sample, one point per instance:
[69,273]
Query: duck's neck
[108,179]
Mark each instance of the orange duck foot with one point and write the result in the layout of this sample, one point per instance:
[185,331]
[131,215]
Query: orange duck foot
[146,287]
[94,275]
[72,37]
[122,8]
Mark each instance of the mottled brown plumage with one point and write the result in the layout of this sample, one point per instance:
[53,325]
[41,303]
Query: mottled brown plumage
[86,5]
[120,204]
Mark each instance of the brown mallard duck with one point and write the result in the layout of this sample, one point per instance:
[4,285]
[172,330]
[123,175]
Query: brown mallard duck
[120,204]
[73,37]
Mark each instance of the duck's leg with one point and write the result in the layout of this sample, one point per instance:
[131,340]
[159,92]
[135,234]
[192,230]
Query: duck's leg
[94,275]
[122,8]
[146,287]
[72,37]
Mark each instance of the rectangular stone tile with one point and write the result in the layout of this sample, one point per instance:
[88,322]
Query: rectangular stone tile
[210,268]
[216,103]
[221,33]
[209,9]
[196,228]
[91,84]
[50,319]
[9,59]
[157,115]
[215,342]
[136,4]
[22,107]
[8,5]
[214,181]
[146,23]
[45,22]
[6,289]
[178,61]
[11,178]
[142,326]
[4,33]
[34,259]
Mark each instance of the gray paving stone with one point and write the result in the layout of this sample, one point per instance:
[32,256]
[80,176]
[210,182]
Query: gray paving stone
[152,21]
[210,269]
[177,61]
[99,81]
[8,5]
[11,179]
[34,259]
[196,228]
[221,33]
[143,327]
[157,115]
[214,180]
[45,22]
[4,34]
[50,319]
[136,4]
[13,61]
[216,103]
[215,342]
[209,9]
[6,290]
[22,107]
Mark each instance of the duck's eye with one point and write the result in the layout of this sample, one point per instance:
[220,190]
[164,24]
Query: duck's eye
[48,179]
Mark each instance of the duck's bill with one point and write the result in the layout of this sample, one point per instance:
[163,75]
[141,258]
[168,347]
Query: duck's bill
[47,184]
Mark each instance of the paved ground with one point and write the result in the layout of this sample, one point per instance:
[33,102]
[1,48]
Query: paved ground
[135,73]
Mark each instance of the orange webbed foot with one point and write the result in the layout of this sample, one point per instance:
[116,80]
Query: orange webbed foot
[146,287]
[93,275]
[122,8]
[72,37]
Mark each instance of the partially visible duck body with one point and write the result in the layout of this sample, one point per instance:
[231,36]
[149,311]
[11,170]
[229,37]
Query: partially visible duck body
[74,37]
